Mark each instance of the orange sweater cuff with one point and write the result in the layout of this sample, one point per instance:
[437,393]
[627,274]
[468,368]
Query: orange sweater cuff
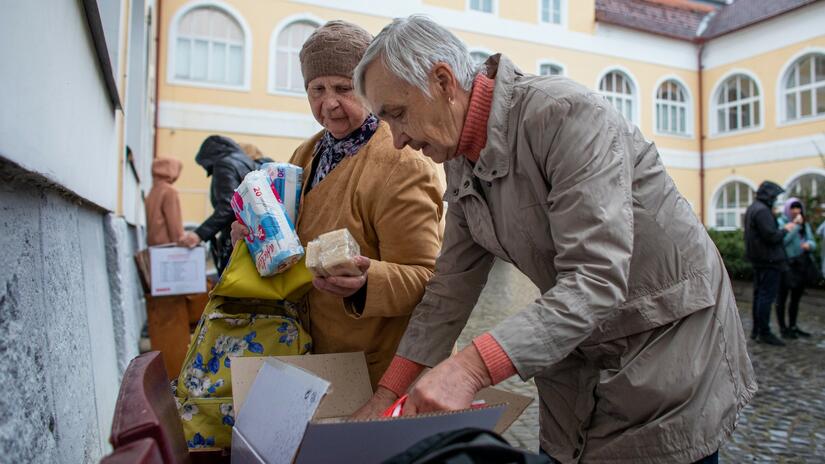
[499,365]
[400,375]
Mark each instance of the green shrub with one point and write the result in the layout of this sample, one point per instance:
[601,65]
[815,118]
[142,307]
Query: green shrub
[731,245]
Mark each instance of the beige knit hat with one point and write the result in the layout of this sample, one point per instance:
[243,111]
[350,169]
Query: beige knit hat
[334,49]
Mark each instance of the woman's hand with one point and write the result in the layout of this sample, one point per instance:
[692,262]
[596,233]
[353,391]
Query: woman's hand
[189,240]
[344,286]
[375,407]
[238,232]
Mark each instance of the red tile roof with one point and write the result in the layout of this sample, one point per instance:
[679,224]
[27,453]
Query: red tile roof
[682,19]
[679,19]
[743,13]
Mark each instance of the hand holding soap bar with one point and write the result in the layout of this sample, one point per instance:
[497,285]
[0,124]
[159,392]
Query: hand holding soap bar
[333,254]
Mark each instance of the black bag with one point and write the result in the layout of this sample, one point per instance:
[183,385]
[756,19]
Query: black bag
[812,273]
[465,446]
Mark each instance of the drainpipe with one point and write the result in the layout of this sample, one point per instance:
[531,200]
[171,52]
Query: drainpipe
[701,134]
[157,74]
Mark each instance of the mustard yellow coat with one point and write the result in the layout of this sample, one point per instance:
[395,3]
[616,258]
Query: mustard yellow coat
[391,202]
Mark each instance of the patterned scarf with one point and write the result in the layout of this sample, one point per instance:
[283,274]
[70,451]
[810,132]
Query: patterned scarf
[332,151]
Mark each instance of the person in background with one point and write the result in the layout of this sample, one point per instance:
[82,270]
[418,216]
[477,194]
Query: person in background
[226,162]
[820,231]
[799,244]
[389,198]
[163,217]
[764,250]
[254,153]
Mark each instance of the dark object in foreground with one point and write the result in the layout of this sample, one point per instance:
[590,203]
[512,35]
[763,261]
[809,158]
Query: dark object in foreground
[467,445]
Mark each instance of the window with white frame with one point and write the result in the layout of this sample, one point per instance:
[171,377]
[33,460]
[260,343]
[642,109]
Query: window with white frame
[732,200]
[485,6]
[737,104]
[550,69]
[805,88]
[479,57]
[288,75]
[619,90]
[807,186]
[209,47]
[672,108]
[550,11]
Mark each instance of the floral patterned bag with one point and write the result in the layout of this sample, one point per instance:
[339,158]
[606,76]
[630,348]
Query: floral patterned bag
[233,326]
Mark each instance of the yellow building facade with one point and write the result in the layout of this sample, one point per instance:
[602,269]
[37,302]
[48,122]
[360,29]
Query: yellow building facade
[231,67]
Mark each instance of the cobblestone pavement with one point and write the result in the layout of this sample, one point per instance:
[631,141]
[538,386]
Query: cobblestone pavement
[785,422]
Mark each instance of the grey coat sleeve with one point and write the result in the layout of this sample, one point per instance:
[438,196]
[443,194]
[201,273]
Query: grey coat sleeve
[587,150]
[460,274]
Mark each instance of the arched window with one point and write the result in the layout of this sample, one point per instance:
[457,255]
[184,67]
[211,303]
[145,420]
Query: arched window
[810,188]
[804,87]
[731,201]
[479,57]
[672,108]
[807,186]
[288,76]
[619,90]
[550,69]
[209,47]
[737,104]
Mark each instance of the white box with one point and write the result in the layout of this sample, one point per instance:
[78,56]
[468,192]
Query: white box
[177,270]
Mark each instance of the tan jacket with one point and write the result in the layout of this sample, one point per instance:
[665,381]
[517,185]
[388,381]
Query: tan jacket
[635,345]
[163,217]
[390,200]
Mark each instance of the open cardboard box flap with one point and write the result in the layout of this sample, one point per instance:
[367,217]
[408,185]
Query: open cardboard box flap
[296,409]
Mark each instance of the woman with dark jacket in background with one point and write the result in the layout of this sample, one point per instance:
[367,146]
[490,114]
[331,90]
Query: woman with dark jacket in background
[226,162]
[799,243]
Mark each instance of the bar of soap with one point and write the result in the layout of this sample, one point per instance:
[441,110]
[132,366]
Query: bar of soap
[313,259]
[333,254]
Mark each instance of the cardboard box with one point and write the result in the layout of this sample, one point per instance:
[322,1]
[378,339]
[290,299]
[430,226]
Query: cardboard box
[297,408]
[177,270]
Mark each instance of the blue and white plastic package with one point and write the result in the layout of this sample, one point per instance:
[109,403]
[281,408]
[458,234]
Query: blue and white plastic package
[287,179]
[272,240]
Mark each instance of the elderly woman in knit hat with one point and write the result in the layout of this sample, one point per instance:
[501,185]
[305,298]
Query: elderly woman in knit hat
[635,346]
[388,198]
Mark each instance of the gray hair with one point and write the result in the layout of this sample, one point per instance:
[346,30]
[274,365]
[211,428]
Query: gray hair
[410,47]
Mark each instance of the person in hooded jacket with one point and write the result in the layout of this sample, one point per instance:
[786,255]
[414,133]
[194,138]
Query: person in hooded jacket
[226,162]
[163,216]
[798,243]
[764,249]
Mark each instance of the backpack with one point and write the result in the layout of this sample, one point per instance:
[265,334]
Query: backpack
[247,315]
[465,446]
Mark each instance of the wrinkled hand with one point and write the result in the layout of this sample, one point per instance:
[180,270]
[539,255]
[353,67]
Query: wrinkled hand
[806,246]
[450,385]
[238,232]
[189,240]
[380,401]
[798,219]
[344,286]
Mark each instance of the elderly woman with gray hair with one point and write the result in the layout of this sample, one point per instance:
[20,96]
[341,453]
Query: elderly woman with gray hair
[388,198]
[635,345]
